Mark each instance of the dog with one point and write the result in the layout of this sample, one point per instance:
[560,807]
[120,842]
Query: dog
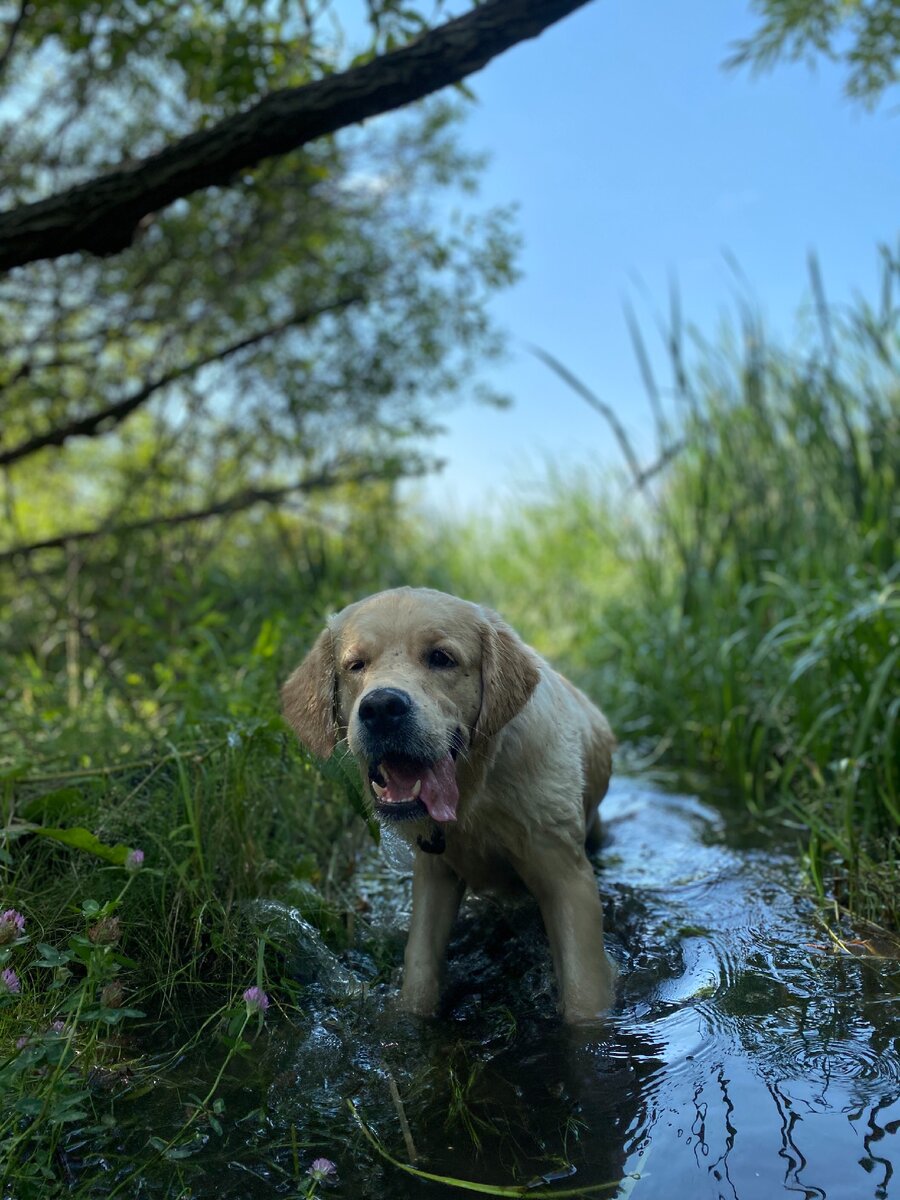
[486,759]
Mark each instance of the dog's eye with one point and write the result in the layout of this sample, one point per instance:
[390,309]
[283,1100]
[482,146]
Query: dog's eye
[440,659]
[356,665]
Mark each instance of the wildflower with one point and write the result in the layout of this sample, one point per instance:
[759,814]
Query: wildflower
[9,982]
[323,1170]
[58,1027]
[112,995]
[134,860]
[255,997]
[12,926]
[22,1042]
[105,932]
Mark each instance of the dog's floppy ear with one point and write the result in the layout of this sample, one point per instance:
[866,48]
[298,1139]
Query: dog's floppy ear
[307,699]
[509,674]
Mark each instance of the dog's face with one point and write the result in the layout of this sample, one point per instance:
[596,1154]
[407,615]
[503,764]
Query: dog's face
[413,678]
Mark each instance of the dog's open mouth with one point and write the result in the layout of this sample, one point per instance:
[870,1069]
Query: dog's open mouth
[407,790]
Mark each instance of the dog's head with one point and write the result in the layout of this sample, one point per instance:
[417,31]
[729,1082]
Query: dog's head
[414,678]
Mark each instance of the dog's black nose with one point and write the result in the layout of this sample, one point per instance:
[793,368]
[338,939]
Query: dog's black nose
[383,709]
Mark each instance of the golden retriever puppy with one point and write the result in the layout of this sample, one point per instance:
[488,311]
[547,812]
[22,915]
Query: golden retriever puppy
[486,759]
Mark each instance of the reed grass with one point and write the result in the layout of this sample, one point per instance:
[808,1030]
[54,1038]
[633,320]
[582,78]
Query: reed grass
[735,605]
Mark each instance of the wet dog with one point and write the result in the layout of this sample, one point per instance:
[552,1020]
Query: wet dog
[484,757]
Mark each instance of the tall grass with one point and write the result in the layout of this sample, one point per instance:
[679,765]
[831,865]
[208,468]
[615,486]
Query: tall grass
[140,683]
[141,710]
[775,571]
[738,609]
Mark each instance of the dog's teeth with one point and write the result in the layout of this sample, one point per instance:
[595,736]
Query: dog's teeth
[383,772]
[379,791]
[416,789]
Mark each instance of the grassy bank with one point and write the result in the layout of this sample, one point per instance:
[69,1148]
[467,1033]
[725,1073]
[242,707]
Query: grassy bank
[151,794]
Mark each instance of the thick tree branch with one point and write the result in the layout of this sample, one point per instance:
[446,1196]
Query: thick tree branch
[247,498]
[102,214]
[105,419]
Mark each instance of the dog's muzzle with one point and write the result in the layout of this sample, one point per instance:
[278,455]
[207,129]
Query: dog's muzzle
[412,775]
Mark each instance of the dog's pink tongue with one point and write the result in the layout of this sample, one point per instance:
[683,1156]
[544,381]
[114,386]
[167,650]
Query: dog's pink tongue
[440,792]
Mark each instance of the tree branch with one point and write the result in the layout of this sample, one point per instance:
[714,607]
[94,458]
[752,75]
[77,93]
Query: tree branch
[102,214]
[114,414]
[14,26]
[231,504]
[598,405]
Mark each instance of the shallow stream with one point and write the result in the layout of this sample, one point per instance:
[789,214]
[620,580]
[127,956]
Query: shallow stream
[749,1055]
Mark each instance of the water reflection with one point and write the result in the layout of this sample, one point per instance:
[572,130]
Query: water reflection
[782,1067]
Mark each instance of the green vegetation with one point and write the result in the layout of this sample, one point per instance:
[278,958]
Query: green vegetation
[293,331]
[202,442]
[863,35]
[739,612]
[194,768]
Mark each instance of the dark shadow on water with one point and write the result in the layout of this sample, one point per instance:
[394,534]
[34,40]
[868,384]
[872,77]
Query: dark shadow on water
[747,1056]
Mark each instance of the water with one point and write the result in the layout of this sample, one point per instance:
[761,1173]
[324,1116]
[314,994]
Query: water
[748,1056]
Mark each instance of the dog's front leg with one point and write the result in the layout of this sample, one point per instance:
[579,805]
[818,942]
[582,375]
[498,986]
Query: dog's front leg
[437,892]
[564,886]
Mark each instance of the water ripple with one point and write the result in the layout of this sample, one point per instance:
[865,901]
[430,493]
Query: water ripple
[816,1058]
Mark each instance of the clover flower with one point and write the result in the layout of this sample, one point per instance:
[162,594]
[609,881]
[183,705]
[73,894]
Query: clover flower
[255,997]
[12,926]
[106,932]
[112,995]
[9,982]
[323,1170]
[134,860]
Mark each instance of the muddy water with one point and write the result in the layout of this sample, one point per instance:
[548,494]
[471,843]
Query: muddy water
[748,1056]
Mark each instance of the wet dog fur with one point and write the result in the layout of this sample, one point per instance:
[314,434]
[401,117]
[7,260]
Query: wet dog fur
[509,762]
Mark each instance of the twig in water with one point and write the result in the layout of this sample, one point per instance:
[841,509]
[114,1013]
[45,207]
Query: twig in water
[404,1124]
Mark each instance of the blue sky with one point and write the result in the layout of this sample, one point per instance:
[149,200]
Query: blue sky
[635,157]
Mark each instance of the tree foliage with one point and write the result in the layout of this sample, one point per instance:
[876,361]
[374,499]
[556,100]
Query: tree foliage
[297,326]
[862,35]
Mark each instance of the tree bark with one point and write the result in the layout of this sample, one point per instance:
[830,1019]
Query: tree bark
[101,215]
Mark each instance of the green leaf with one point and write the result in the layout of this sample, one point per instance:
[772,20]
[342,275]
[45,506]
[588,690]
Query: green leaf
[176,1152]
[68,1108]
[50,957]
[123,960]
[28,1106]
[82,839]
[11,774]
